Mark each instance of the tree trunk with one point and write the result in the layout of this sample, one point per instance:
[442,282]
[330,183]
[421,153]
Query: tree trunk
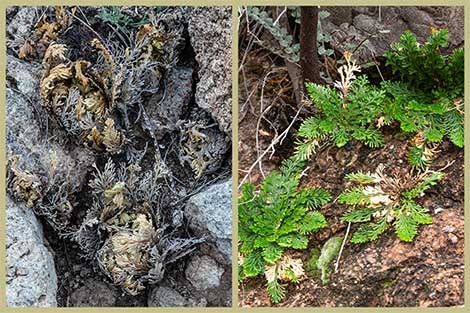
[309,61]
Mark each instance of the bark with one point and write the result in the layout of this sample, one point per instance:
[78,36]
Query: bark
[309,61]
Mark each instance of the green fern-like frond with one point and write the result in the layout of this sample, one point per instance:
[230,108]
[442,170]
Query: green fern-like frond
[360,177]
[416,157]
[354,196]
[370,232]
[253,264]
[408,220]
[305,149]
[427,182]
[277,217]
[360,215]
[275,291]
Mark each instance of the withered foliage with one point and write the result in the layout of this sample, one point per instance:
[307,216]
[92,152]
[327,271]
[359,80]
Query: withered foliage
[46,32]
[22,184]
[126,213]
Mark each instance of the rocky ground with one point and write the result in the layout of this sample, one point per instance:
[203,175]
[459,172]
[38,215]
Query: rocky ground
[45,268]
[427,272]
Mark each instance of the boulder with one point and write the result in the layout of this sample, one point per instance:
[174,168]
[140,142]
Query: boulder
[210,31]
[209,214]
[203,272]
[30,274]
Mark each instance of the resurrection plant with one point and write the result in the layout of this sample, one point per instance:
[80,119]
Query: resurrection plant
[351,110]
[381,201]
[279,217]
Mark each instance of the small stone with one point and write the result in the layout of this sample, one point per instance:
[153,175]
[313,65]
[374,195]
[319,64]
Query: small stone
[453,238]
[166,297]
[203,272]
[449,229]
[93,294]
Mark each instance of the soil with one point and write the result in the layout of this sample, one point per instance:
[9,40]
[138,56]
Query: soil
[81,282]
[429,271]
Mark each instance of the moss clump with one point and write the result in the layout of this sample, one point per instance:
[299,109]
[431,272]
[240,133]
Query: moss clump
[328,253]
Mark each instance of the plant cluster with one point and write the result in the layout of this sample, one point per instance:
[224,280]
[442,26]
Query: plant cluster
[114,16]
[383,200]
[426,103]
[125,217]
[277,218]
[353,108]
[85,97]
[126,209]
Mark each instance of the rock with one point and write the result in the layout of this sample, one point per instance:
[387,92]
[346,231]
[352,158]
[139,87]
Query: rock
[25,75]
[24,119]
[210,31]
[209,213]
[30,273]
[19,28]
[165,113]
[93,294]
[406,273]
[23,128]
[166,297]
[352,26]
[203,272]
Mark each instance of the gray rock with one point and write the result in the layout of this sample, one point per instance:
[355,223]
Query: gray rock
[31,277]
[26,75]
[25,116]
[30,273]
[210,31]
[93,294]
[352,26]
[166,297]
[210,214]
[203,272]
[23,128]
[20,26]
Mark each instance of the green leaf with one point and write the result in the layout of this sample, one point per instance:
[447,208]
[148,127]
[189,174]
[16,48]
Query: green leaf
[294,241]
[360,177]
[304,150]
[275,291]
[272,253]
[253,264]
[406,227]
[312,221]
[359,215]
[354,196]
[455,128]
[420,188]
[313,198]
[417,158]
[341,138]
[370,136]
[370,231]
[433,134]
[419,214]
[310,128]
